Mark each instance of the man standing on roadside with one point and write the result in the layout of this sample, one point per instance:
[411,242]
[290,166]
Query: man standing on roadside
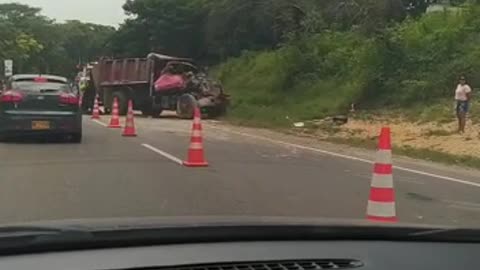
[462,97]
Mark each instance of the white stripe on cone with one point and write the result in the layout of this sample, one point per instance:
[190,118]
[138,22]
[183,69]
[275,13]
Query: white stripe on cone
[384,156]
[382,181]
[196,120]
[95,105]
[196,133]
[196,146]
[381,209]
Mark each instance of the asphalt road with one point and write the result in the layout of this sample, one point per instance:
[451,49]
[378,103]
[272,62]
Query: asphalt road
[250,175]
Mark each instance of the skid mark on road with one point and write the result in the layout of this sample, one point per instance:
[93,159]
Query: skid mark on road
[164,154]
[325,152]
[420,197]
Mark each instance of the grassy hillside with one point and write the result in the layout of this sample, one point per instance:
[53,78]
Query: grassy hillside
[414,64]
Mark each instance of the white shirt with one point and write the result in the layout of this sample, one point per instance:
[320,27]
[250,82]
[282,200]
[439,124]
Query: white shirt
[462,91]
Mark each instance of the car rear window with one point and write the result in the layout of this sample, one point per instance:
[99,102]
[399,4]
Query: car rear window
[39,79]
[40,86]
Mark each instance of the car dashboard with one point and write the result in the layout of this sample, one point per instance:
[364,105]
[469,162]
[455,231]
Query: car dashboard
[262,255]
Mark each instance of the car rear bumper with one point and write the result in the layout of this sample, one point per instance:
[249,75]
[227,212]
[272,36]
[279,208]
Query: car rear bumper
[23,123]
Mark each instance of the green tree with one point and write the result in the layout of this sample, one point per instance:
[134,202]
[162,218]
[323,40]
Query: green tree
[173,26]
[39,44]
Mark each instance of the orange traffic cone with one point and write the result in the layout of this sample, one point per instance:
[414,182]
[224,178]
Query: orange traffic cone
[115,120]
[381,204]
[96,109]
[129,130]
[196,155]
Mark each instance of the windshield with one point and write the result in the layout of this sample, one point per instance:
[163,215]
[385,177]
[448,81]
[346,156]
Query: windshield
[349,111]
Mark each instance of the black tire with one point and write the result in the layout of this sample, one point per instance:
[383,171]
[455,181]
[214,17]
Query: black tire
[185,106]
[146,112]
[147,109]
[122,102]
[222,110]
[156,111]
[76,137]
[107,100]
[216,111]
[3,137]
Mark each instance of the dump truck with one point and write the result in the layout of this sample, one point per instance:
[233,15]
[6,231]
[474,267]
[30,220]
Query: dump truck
[137,79]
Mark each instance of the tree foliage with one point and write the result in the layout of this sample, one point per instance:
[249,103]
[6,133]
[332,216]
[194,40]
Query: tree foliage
[40,45]
[410,62]
[213,30]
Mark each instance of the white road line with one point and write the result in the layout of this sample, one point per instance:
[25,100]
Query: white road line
[469,206]
[463,203]
[462,207]
[100,123]
[446,178]
[164,154]
[317,150]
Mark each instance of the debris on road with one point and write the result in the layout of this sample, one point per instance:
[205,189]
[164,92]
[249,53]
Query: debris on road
[299,124]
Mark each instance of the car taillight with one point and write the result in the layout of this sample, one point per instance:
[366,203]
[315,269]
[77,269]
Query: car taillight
[69,99]
[11,97]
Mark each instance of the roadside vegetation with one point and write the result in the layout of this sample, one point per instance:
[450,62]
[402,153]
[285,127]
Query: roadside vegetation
[281,60]
[409,66]
[401,76]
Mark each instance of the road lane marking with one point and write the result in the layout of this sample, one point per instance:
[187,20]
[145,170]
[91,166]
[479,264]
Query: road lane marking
[164,154]
[100,123]
[464,207]
[463,204]
[446,178]
[432,175]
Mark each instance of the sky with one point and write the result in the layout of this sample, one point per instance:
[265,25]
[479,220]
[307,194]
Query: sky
[107,12]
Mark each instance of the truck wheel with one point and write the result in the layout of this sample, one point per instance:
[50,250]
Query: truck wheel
[147,112]
[122,102]
[185,106]
[107,101]
[217,111]
[156,111]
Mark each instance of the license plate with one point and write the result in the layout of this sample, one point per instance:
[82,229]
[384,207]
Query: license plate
[40,125]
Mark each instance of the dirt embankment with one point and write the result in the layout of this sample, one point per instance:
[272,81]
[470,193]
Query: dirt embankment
[432,136]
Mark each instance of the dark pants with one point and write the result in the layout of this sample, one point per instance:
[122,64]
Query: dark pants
[462,110]
[462,107]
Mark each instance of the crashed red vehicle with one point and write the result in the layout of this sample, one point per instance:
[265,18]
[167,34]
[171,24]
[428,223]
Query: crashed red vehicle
[157,83]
